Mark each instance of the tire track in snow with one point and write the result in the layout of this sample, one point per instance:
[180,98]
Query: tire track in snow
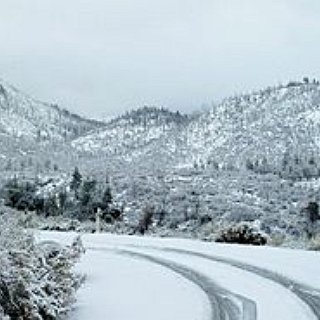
[225,305]
[308,295]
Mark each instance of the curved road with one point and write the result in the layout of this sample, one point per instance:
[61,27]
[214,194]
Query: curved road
[234,289]
[225,304]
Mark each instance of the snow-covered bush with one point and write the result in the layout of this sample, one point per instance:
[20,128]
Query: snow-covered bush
[36,280]
[242,234]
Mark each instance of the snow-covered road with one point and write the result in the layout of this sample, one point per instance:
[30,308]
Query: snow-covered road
[161,279]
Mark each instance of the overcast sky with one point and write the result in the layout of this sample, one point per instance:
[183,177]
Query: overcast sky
[101,57]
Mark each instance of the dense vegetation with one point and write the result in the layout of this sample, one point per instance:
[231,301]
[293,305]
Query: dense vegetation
[252,158]
[36,279]
[81,198]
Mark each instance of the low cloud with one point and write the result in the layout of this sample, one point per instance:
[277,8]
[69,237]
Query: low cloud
[101,57]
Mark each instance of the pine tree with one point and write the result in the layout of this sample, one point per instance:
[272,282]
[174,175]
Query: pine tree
[76,181]
[88,199]
[87,191]
[107,196]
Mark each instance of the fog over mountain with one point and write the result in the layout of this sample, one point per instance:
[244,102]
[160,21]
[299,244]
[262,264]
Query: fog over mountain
[99,58]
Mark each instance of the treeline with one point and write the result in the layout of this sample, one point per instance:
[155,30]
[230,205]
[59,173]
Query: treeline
[80,199]
[293,166]
[152,115]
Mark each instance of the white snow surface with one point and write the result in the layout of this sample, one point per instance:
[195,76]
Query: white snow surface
[119,288]
[122,287]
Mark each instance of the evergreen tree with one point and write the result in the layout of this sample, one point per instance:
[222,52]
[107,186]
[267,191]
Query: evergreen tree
[87,191]
[312,215]
[76,181]
[107,197]
[62,196]
[51,207]
[87,199]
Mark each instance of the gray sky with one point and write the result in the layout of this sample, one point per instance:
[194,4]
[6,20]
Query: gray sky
[101,57]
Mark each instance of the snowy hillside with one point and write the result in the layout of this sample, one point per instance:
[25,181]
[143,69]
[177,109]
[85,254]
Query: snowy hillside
[141,132]
[262,126]
[33,132]
[253,158]
[23,116]
[241,161]
[261,129]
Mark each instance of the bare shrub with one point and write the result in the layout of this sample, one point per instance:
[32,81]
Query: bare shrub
[146,219]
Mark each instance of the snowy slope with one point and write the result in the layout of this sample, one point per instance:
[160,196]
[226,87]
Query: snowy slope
[139,133]
[33,131]
[143,276]
[177,163]
[184,164]
[259,127]
[23,116]
[264,124]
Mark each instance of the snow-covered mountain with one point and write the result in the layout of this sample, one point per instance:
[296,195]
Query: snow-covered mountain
[23,116]
[30,127]
[260,128]
[182,164]
[257,129]
[147,130]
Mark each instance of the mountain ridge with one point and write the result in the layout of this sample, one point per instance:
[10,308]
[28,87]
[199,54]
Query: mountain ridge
[34,115]
[258,127]
[262,126]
